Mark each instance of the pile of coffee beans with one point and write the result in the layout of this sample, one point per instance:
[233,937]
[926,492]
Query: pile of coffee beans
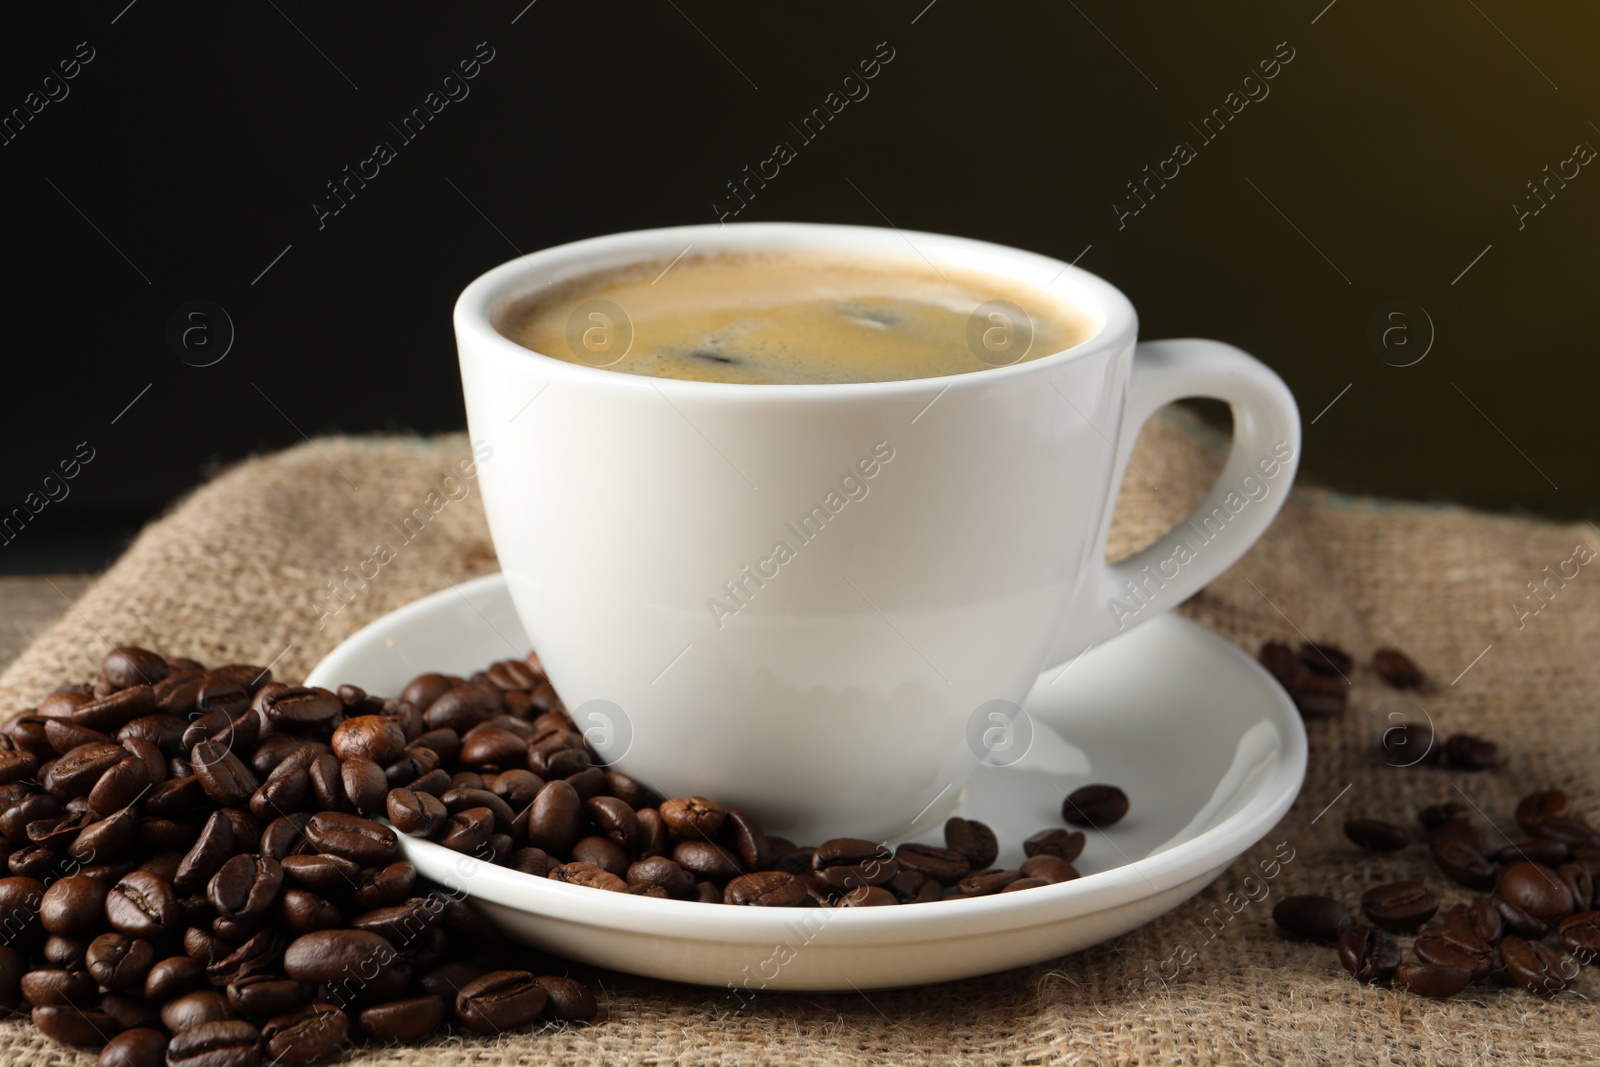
[197,876]
[202,874]
[1537,924]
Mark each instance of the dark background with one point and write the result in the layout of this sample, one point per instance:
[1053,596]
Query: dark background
[1382,167]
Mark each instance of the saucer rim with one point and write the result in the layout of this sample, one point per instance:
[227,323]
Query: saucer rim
[697,921]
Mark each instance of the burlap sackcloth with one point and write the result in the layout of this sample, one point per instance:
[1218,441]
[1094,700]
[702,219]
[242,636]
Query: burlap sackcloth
[240,571]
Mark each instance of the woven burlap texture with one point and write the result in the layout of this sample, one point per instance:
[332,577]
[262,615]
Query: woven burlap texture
[241,571]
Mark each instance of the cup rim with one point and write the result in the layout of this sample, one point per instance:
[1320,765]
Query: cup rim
[1116,322]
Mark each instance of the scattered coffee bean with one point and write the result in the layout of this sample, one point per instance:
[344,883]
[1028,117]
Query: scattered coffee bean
[1432,979]
[500,1001]
[1469,753]
[1316,917]
[1064,844]
[1462,863]
[1375,835]
[1536,966]
[1095,806]
[1537,807]
[1535,890]
[1397,668]
[141,1047]
[973,840]
[1399,906]
[1369,954]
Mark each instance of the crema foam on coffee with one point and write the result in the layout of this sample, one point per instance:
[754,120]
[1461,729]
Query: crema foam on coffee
[794,319]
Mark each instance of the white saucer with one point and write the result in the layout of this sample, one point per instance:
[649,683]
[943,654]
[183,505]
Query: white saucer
[1206,744]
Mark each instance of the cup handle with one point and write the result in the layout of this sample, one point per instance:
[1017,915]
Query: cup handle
[1254,484]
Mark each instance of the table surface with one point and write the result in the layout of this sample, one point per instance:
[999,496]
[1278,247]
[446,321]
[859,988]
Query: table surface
[30,603]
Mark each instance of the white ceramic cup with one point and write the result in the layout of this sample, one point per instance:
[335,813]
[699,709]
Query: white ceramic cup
[824,604]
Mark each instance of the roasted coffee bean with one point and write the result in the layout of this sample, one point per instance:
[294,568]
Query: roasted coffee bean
[263,996]
[285,790]
[299,709]
[1065,844]
[1482,840]
[1516,921]
[16,819]
[210,851]
[984,883]
[172,976]
[463,707]
[1468,753]
[1536,890]
[365,786]
[500,1001]
[223,775]
[768,889]
[1436,815]
[867,896]
[614,819]
[1326,658]
[64,736]
[401,924]
[534,861]
[59,831]
[654,837]
[116,710]
[909,887]
[694,817]
[1318,696]
[458,800]
[466,831]
[379,887]
[77,771]
[303,912]
[1580,935]
[311,1034]
[52,985]
[121,785]
[973,840]
[1026,883]
[1369,954]
[1569,828]
[1432,979]
[1536,966]
[175,797]
[129,1010]
[448,979]
[1397,668]
[194,1009]
[631,791]
[707,893]
[1452,947]
[106,839]
[587,874]
[663,872]
[378,738]
[850,851]
[603,853]
[488,748]
[417,814]
[224,1043]
[555,822]
[744,834]
[517,787]
[74,1026]
[1399,906]
[333,955]
[320,872]
[944,865]
[1050,868]
[1375,835]
[1316,917]
[1537,807]
[402,1020]
[149,754]
[16,766]
[142,904]
[567,999]
[144,1046]
[130,665]
[1096,806]
[245,888]
[1539,850]
[1461,863]
[34,862]
[119,962]
[1580,882]
[362,840]
[72,905]
[177,693]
